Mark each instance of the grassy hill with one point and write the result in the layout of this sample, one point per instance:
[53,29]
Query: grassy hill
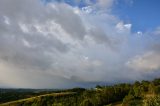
[32,100]
[142,93]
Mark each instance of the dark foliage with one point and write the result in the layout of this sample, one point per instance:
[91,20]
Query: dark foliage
[130,94]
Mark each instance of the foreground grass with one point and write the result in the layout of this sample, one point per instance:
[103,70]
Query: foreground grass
[14,103]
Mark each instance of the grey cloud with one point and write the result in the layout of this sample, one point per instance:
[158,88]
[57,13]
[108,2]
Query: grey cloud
[31,45]
[149,58]
[54,45]
[63,14]
[100,36]
[157,31]
[71,22]
[148,62]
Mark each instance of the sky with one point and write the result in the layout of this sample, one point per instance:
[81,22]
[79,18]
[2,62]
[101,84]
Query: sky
[143,14]
[78,43]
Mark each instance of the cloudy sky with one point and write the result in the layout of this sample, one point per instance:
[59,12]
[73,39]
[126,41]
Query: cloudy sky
[70,43]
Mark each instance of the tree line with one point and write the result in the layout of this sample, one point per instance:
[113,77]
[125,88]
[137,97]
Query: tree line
[144,93]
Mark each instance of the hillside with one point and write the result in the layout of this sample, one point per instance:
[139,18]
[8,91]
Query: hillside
[142,93]
[32,100]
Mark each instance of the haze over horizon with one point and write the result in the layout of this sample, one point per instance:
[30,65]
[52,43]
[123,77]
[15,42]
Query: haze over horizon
[70,43]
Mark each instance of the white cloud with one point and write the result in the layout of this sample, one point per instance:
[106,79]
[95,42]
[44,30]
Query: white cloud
[150,61]
[139,33]
[87,9]
[157,31]
[123,27]
[6,20]
[61,45]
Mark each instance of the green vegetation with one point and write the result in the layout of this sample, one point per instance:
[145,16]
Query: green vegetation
[7,95]
[142,93]
[153,101]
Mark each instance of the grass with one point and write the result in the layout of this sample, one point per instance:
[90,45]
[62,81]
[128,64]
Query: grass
[36,97]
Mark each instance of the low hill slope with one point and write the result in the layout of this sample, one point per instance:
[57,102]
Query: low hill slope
[42,100]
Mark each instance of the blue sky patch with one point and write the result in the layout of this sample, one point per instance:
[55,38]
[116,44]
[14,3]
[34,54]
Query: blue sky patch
[142,14]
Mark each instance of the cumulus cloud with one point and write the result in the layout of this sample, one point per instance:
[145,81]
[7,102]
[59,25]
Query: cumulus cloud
[149,58]
[105,3]
[157,31]
[149,61]
[123,27]
[58,45]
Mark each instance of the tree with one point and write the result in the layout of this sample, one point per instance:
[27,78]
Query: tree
[86,102]
[155,101]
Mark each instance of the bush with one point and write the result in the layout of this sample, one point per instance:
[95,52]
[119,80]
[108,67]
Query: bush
[131,100]
[155,101]
[87,102]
